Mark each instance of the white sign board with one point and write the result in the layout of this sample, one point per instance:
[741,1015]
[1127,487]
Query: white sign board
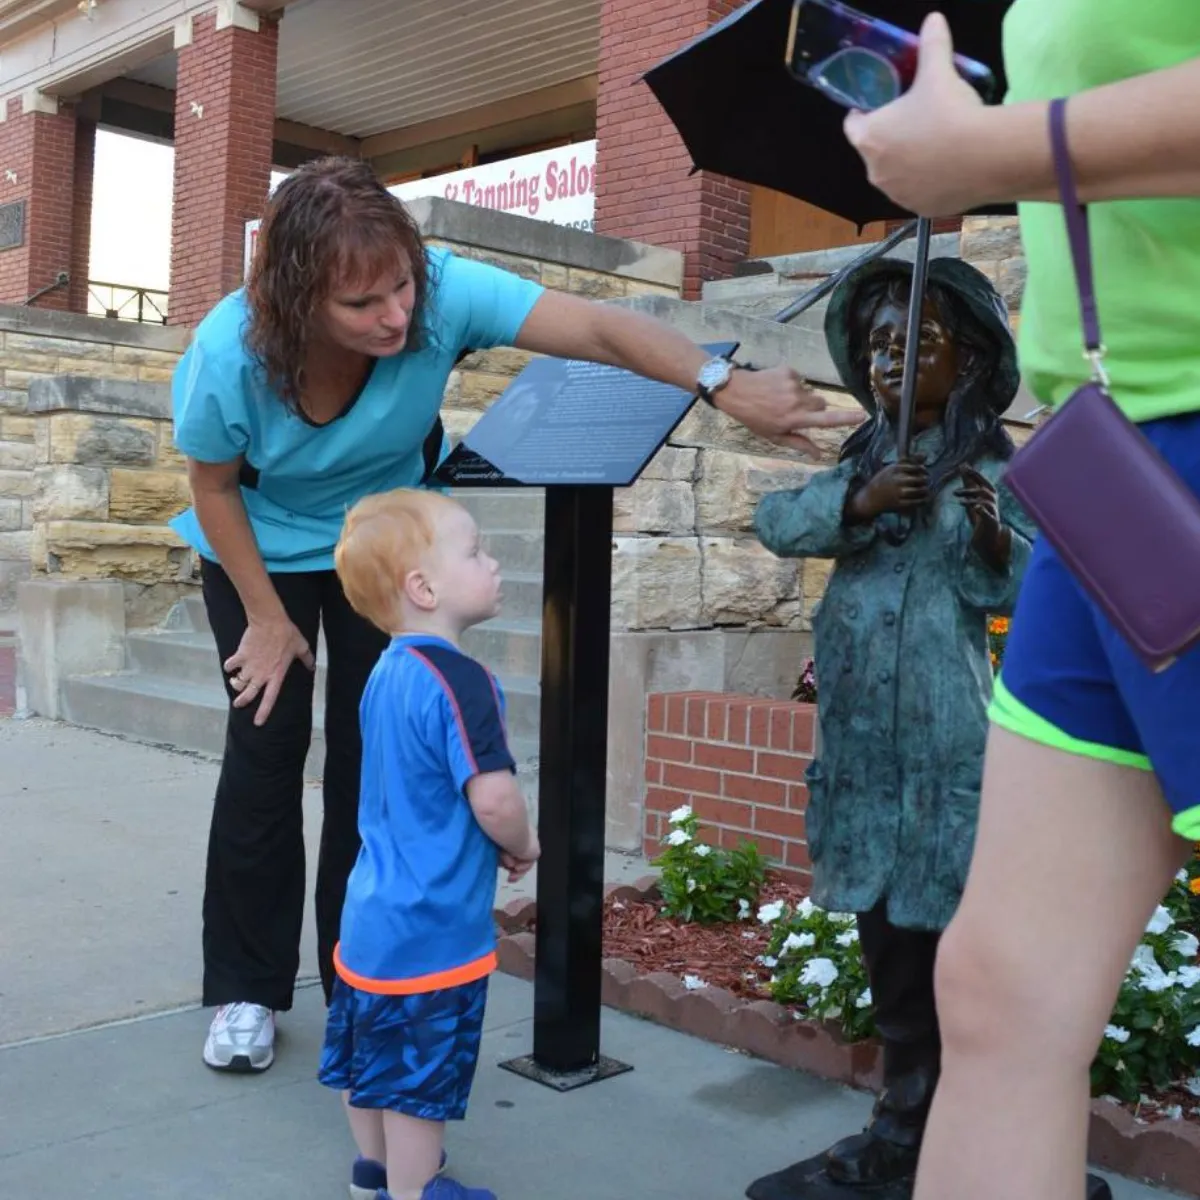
[556,185]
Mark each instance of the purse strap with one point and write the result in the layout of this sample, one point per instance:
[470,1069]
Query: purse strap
[1078,234]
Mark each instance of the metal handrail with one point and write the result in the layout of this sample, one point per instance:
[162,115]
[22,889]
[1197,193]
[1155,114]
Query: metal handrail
[149,305]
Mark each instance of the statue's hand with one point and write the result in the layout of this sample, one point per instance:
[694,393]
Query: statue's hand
[897,488]
[990,538]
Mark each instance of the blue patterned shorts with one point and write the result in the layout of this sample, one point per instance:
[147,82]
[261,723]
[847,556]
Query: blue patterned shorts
[409,1054]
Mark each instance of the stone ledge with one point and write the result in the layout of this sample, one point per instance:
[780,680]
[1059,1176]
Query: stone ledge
[16,318]
[82,393]
[488,229]
[1166,1154]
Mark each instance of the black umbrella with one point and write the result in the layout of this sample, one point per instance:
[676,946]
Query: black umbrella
[741,113]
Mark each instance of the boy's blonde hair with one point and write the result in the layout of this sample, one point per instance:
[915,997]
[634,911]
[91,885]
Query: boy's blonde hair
[383,538]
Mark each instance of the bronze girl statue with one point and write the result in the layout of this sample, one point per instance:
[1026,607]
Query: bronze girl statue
[926,549]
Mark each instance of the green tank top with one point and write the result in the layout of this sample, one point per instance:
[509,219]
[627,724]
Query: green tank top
[1146,252]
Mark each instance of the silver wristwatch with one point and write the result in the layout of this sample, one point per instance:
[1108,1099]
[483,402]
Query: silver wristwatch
[712,377]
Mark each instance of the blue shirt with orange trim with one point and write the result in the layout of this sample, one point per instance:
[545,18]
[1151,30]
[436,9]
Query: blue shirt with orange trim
[418,912]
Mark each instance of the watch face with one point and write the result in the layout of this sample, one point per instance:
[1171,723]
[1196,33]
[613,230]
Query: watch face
[715,373]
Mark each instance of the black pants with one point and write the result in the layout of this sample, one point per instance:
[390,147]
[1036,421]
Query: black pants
[255,882]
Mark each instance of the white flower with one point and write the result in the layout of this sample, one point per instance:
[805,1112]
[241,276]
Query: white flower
[798,941]
[703,850]
[1116,1033]
[1161,921]
[765,960]
[744,914]
[818,972]
[1188,976]
[806,909]
[1186,944]
[691,886]
[1181,876]
[843,918]
[680,815]
[865,1000]
[678,837]
[848,938]
[1193,1085]
[1151,977]
[749,934]
[1193,1038]
[1174,1113]
[693,983]
[770,912]
[833,1013]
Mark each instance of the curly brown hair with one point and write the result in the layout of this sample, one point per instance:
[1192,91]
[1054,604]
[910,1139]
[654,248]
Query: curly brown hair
[329,224]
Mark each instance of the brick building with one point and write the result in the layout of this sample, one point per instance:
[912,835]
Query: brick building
[418,87]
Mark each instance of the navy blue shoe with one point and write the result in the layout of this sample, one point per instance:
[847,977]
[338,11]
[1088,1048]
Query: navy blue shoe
[368,1178]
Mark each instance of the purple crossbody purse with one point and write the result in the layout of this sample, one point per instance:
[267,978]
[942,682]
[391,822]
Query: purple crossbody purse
[1125,524]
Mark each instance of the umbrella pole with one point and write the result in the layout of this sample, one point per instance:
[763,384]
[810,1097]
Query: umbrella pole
[813,295]
[912,341]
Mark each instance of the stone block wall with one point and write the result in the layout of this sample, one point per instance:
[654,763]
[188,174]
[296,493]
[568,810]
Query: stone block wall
[106,480]
[39,448]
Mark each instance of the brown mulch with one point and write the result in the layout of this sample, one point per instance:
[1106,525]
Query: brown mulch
[723,956]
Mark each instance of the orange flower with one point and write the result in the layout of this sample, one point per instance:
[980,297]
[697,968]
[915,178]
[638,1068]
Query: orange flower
[1194,886]
[998,625]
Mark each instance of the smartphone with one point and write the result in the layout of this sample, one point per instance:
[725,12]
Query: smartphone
[860,61]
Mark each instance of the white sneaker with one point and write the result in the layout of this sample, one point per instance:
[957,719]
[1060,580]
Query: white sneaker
[241,1038]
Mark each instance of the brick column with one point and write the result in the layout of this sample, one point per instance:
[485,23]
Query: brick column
[37,166]
[224,130]
[81,214]
[643,190]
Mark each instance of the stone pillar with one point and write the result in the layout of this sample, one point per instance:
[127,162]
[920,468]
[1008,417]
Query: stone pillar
[81,214]
[224,130]
[37,171]
[643,189]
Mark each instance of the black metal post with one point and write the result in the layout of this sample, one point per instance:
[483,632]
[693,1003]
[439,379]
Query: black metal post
[571,791]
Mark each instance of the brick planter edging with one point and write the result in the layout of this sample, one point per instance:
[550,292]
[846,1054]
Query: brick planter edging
[1166,1154]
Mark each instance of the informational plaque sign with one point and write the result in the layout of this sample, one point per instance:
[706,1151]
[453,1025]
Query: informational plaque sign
[568,422]
[12,225]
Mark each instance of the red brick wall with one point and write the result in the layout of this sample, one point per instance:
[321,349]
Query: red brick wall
[40,149]
[81,214]
[222,159]
[643,189]
[739,761]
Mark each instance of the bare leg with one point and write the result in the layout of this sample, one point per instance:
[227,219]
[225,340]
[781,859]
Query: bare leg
[1071,857]
[414,1152]
[366,1124]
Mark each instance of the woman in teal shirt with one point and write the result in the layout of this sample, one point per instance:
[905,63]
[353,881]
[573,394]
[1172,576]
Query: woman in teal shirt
[1092,780]
[317,385]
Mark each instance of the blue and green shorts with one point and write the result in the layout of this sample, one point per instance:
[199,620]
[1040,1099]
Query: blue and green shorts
[1069,680]
[412,1054]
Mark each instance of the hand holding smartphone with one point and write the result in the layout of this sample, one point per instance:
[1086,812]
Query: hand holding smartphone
[860,61]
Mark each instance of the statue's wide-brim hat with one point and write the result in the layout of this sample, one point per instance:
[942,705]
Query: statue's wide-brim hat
[985,305]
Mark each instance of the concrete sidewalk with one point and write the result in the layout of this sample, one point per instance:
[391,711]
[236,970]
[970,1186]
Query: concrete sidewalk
[104,1096]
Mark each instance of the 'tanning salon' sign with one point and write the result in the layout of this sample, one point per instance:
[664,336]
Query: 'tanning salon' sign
[556,185]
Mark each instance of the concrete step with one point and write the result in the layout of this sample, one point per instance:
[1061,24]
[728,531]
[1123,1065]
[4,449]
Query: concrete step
[186,716]
[188,657]
[507,647]
[507,508]
[518,551]
[522,602]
